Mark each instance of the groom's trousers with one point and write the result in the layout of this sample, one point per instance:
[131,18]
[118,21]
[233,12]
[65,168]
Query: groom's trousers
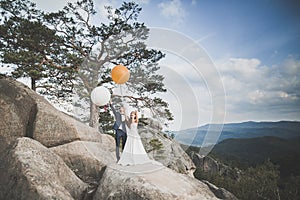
[120,134]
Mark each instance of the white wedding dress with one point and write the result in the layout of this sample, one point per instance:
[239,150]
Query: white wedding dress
[134,152]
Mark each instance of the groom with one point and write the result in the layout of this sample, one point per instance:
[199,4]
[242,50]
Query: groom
[119,127]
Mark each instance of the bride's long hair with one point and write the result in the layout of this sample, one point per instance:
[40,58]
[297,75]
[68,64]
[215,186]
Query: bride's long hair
[135,119]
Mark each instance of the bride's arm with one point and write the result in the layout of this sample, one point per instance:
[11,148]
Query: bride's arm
[128,122]
[127,118]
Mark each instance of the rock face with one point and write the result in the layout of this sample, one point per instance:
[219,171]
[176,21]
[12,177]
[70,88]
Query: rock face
[220,192]
[163,183]
[17,111]
[54,128]
[170,153]
[46,154]
[30,171]
[210,165]
[87,159]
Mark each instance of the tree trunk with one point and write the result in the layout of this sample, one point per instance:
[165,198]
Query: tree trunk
[33,84]
[94,115]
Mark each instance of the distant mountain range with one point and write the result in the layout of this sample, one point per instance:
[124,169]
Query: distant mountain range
[250,129]
[252,151]
[247,146]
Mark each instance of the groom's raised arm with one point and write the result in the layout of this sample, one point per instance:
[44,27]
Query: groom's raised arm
[126,109]
[113,109]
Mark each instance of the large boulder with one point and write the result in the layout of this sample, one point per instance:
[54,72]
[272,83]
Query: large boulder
[206,163]
[209,165]
[53,128]
[25,113]
[17,111]
[31,171]
[88,159]
[169,153]
[140,182]
[220,192]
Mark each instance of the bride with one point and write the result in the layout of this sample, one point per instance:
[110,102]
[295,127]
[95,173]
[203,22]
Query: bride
[134,152]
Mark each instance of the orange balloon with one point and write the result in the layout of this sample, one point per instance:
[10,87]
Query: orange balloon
[120,74]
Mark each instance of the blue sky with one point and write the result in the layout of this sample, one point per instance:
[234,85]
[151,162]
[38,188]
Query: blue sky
[263,29]
[254,46]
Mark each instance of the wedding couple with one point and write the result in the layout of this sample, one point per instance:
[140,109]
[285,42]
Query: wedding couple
[125,127]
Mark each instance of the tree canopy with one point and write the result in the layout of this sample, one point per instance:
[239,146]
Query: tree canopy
[34,50]
[66,49]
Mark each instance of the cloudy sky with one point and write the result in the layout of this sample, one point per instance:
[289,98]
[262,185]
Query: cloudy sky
[248,67]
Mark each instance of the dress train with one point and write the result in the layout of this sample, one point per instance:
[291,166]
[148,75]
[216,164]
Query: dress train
[134,152]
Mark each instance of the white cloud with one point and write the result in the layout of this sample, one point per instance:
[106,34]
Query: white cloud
[101,10]
[140,2]
[194,2]
[55,5]
[173,10]
[102,14]
[257,92]
[247,68]
[193,82]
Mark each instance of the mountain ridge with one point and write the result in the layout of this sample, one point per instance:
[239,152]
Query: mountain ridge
[248,129]
[244,122]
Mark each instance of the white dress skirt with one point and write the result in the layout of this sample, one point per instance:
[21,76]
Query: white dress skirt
[134,152]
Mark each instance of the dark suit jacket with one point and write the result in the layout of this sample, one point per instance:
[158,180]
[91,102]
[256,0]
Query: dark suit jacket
[118,118]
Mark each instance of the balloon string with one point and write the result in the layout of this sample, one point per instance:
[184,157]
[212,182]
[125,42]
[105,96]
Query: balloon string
[121,92]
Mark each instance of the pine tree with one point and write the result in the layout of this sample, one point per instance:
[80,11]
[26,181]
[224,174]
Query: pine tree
[33,50]
[64,49]
[120,41]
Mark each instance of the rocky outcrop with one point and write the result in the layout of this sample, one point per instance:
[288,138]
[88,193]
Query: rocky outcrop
[46,154]
[163,183]
[209,165]
[87,159]
[17,111]
[31,171]
[54,128]
[169,153]
[25,113]
[220,192]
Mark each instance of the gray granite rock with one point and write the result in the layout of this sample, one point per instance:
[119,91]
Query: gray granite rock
[149,181]
[170,154]
[60,157]
[17,111]
[32,171]
[87,159]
